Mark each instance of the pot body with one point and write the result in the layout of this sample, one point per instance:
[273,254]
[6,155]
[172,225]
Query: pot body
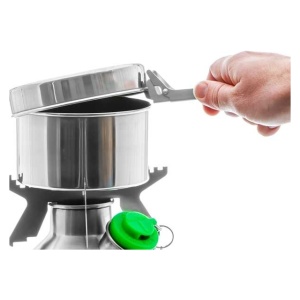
[103,144]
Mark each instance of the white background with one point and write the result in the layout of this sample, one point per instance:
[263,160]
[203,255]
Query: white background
[231,196]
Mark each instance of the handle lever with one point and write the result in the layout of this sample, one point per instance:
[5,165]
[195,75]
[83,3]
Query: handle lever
[160,91]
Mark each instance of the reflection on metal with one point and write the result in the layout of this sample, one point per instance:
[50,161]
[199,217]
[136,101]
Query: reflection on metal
[86,217]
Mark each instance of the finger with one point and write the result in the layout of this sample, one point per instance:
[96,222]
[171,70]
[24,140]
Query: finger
[210,111]
[267,131]
[219,70]
[215,95]
[230,114]
[210,76]
[249,122]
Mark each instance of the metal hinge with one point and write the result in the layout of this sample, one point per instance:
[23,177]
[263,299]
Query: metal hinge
[160,91]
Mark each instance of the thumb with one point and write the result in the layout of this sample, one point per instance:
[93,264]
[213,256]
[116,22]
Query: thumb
[214,94]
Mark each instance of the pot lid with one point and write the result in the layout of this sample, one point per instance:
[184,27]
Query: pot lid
[97,84]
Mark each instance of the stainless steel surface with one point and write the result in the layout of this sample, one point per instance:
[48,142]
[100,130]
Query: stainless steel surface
[107,242]
[105,142]
[85,215]
[101,83]
[67,229]
[160,91]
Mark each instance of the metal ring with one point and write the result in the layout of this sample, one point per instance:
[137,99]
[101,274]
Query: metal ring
[158,227]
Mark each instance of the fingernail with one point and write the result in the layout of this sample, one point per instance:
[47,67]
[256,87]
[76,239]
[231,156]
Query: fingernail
[272,127]
[200,90]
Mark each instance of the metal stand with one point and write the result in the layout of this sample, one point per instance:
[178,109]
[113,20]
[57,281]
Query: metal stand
[37,202]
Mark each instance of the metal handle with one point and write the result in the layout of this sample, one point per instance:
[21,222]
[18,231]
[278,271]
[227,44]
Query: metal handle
[160,91]
[159,228]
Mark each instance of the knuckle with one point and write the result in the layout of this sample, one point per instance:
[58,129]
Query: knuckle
[217,97]
[243,54]
[238,57]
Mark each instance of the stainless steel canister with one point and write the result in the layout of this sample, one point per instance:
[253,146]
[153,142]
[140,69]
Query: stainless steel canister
[107,242]
[76,226]
[103,143]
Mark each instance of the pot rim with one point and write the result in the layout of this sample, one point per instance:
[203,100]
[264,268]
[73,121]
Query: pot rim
[81,206]
[94,115]
[90,115]
[87,189]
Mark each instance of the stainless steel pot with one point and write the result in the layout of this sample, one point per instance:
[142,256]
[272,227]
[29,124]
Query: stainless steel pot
[104,143]
[63,140]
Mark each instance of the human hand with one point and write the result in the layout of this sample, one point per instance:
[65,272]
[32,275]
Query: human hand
[253,85]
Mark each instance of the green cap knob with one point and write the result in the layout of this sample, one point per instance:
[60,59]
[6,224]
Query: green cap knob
[133,230]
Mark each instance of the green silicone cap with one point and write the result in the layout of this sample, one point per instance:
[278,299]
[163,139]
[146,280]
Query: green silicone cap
[133,230]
